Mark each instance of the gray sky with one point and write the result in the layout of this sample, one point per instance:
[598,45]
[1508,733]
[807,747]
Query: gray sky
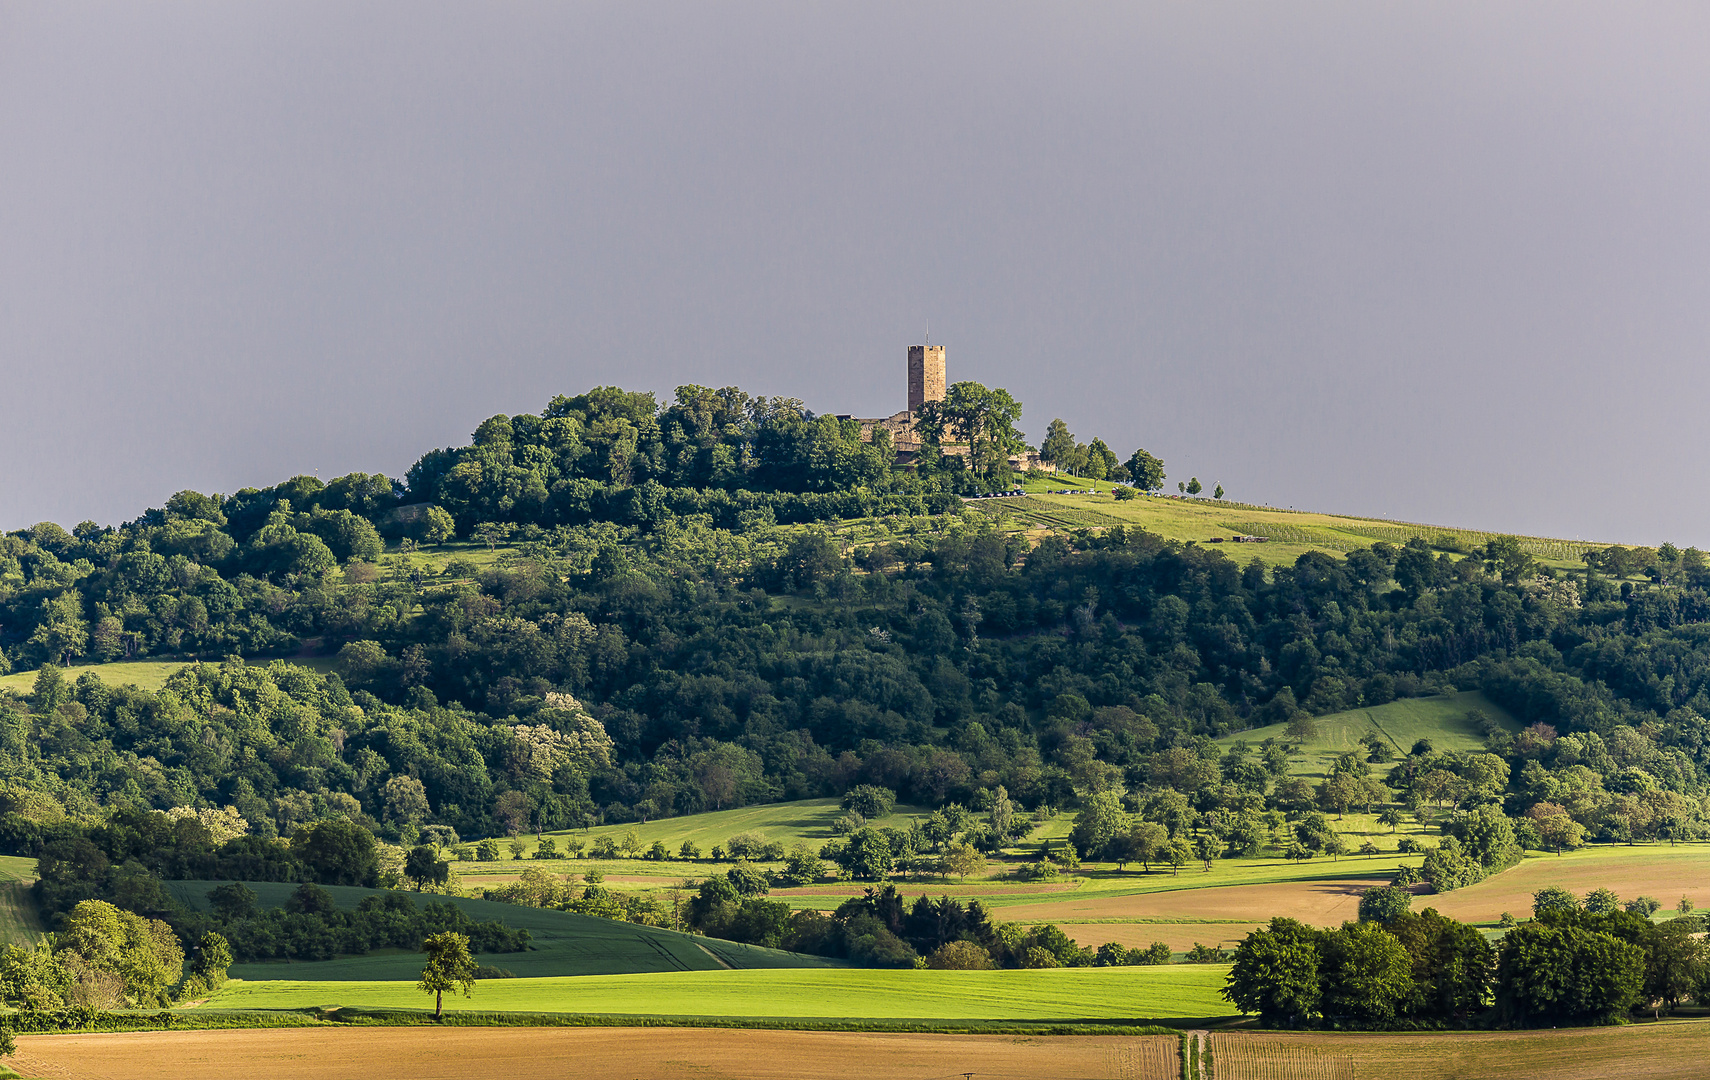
[1439,262]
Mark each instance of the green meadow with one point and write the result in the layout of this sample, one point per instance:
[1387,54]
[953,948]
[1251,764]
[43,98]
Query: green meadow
[1445,720]
[1181,990]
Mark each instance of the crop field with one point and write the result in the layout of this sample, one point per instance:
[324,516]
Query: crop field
[1444,720]
[1130,993]
[1665,1051]
[1666,873]
[563,943]
[591,1053]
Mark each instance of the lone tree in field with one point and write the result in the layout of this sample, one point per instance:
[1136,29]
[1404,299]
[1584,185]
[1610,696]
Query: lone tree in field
[449,967]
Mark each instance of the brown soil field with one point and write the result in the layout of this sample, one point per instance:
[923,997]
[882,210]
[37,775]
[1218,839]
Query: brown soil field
[1640,1052]
[1665,873]
[589,1054]
[1178,936]
[1323,903]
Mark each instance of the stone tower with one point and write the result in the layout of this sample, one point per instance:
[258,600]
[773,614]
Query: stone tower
[925,375]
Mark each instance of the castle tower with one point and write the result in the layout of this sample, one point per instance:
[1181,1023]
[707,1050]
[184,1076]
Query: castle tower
[925,375]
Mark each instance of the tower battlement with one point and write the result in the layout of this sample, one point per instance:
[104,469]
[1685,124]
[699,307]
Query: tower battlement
[925,375]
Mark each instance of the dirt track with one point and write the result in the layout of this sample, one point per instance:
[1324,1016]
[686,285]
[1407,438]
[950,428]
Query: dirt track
[587,1054]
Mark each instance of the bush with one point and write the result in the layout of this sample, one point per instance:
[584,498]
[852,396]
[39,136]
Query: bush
[1204,954]
[487,851]
[1039,957]
[1644,906]
[960,956]
[1037,871]
[689,850]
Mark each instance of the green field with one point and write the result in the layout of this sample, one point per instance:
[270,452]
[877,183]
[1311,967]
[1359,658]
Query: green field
[563,944]
[787,823]
[143,674]
[1443,720]
[1288,533]
[20,923]
[1184,990]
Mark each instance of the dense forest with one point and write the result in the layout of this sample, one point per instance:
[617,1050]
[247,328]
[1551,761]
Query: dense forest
[654,642]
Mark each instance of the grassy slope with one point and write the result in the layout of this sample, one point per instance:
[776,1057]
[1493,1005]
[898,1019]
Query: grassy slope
[143,674]
[1071,993]
[563,943]
[20,922]
[809,820]
[1290,532]
[1444,720]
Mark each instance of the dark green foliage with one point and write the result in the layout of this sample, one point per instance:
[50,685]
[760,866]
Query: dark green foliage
[869,800]
[1367,975]
[1275,974]
[337,852]
[422,867]
[1406,971]
[1553,898]
[1562,973]
[311,926]
[1384,903]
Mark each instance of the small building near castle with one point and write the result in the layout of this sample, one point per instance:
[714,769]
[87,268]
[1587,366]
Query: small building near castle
[928,381]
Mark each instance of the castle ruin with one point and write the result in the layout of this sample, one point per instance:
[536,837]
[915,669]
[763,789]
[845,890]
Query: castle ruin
[927,381]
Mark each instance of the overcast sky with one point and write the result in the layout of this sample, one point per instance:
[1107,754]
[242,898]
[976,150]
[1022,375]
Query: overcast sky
[1445,263]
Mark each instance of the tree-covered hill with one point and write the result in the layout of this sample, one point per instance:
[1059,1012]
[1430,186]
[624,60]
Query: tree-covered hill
[652,643]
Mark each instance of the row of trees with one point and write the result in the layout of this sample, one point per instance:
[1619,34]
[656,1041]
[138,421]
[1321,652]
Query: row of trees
[311,926]
[1097,461]
[1569,965]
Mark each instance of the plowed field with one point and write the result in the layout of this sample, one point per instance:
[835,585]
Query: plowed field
[588,1054]
[1641,1052]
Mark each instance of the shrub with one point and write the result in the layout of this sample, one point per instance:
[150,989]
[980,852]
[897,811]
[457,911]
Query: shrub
[487,850]
[1037,871]
[689,850]
[548,849]
[960,956]
[1644,906]
[1039,957]
[1205,954]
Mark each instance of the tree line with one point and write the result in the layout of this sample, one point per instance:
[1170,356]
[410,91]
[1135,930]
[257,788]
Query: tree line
[1399,969]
